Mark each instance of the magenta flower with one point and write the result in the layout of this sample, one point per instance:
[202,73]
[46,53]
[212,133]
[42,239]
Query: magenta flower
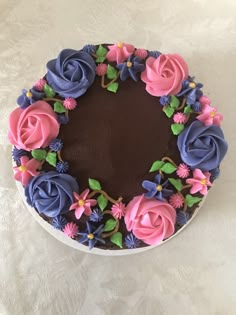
[71,229]
[101,69]
[179,118]
[176,201]
[199,182]
[70,103]
[182,170]
[204,100]
[118,210]
[26,170]
[210,116]
[39,85]
[82,205]
[119,52]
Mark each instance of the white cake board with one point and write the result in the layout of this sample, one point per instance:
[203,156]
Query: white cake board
[72,243]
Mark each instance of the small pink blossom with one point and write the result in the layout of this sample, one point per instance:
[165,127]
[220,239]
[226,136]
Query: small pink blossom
[199,182]
[179,118]
[39,85]
[26,170]
[210,116]
[119,52]
[101,69]
[141,53]
[176,200]
[204,100]
[71,229]
[70,103]
[182,170]
[82,205]
[118,210]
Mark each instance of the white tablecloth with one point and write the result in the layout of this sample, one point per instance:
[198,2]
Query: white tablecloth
[192,274]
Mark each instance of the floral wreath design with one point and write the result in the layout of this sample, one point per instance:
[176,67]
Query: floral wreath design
[175,191]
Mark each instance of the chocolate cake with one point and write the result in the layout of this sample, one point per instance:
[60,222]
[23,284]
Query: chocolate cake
[116,146]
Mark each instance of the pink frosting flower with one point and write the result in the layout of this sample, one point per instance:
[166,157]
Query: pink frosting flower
[118,210]
[141,53]
[26,170]
[70,103]
[182,170]
[176,200]
[179,118]
[39,85]
[34,127]
[119,52]
[164,75]
[101,69]
[199,182]
[210,116]
[82,205]
[204,100]
[150,220]
[71,229]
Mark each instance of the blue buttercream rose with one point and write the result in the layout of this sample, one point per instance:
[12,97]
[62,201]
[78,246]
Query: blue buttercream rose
[202,146]
[72,73]
[51,193]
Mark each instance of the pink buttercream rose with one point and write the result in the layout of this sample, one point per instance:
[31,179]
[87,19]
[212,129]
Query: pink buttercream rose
[150,220]
[33,127]
[119,52]
[164,75]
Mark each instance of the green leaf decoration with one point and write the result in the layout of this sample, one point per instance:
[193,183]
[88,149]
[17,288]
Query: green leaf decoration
[113,87]
[102,202]
[176,183]
[188,109]
[168,168]
[48,90]
[94,184]
[52,158]
[39,154]
[111,72]
[100,59]
[59,108]
[190,200]
[117,239]
[177,128]
[169,111]
[174,102]
[101,51]
[109,225]
[156,166]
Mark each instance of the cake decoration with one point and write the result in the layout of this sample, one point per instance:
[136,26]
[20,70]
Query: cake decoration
[172,187]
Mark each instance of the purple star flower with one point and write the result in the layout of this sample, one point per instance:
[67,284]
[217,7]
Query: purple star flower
[191,90]
[130,68]
[91,235]
[157,189]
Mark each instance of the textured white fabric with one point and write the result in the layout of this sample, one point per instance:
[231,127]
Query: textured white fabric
[192,274]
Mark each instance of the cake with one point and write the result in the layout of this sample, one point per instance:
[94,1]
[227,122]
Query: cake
[116,146]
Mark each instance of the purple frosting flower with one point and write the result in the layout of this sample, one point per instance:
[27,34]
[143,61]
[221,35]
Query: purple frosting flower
[157,189]
[72,73]
[202,146]
[51,193]
[130,68]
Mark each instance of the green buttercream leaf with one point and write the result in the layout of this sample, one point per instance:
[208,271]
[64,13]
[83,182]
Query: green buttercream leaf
[102,202]
[156,166]
[168,168]
[51,158]
[177,128]
[59,108]
[169,111]
[188,109]
[94,184]
[176,183]
[109,225]
[39,154]
[101,51]
[48,90]
[190,200]
[100,59]
[113,87]
[117,239]
[174,102]
[111,72]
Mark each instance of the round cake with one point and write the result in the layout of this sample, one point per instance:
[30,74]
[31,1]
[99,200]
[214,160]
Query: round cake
[116,146]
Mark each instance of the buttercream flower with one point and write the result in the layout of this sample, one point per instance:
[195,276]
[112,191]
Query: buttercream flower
[130,68]
[59,222]
[119,52]
[51,193]
[156,189]
[199,182]
[182,170]
[150,220]
[141,53]
[118,210]
[72,73]
[132,241]
[92,235]
[71,229]
[70,103]
[179,118]
[210,116]
[39,85]
[202,146]
[191,90]
[82,205]
[26,170]
[176,200]
[25,99]
[101,69]
[33,127]
[17,154]
[204,100]
[164,75]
